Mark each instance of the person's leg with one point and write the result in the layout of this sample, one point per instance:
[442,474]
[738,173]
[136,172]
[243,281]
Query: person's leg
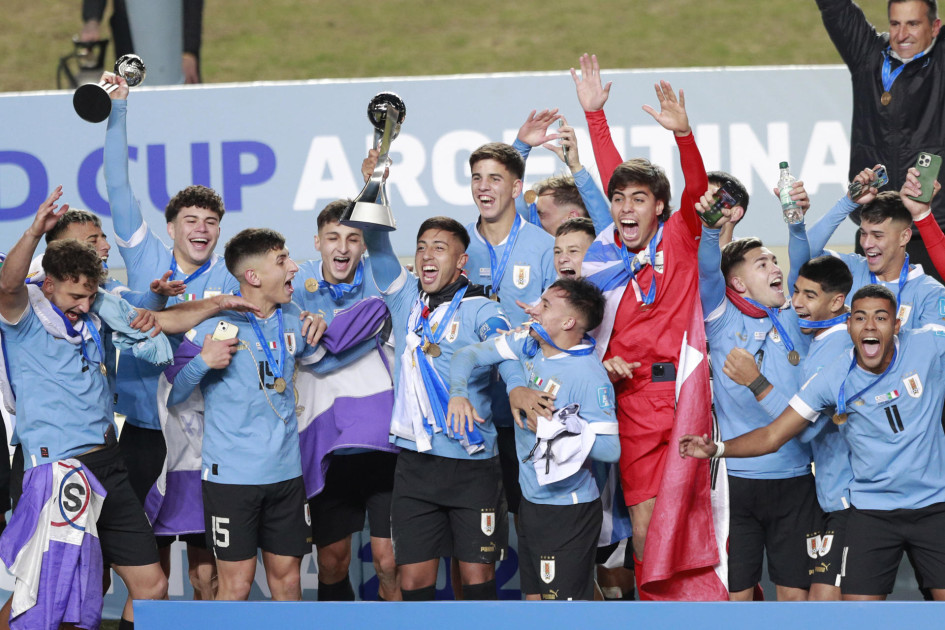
[790,512]
[202,571]
[875,543]
[235,579]
[746,539]
[382,550]
[143,582]
[640,515]
[283,574]
[333,560]
[231,519]
[418,576]
[378,487]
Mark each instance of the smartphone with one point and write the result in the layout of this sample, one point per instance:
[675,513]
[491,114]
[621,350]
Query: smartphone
[225,331]
[929,165]
[856,188]
[663,373]
[563,149]
[725,197]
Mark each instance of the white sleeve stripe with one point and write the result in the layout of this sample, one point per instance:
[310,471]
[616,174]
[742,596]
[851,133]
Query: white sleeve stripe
[315,357]
[602,428]
[397,284]
[502,345]
[717,313]
[803,408]
[135,239]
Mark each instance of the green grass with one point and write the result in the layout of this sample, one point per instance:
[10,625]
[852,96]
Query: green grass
[248,40]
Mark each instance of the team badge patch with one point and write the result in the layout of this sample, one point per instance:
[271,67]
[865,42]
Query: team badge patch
[521,274]
[887,397]
[552,387]
[547,569]
[775,337]
[903,314]
[913,385]
[453,332]
[73,498]
[211,293]
[826,542]
[604,400]
[487,523]
[290,343]
[813,546]
[485,272]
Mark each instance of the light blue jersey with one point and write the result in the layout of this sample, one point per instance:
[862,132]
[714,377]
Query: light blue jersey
[894,428]
[250,433]
[63,401]
[580,380]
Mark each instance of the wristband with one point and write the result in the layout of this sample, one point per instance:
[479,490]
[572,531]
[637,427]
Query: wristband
[719,450]
[759,385]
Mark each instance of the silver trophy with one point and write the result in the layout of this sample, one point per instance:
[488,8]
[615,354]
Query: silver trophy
[370,210]
[91,101]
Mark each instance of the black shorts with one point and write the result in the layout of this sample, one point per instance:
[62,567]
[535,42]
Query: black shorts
[448,507]
[123,529]
[825,548]
[16,475]
[355,485]
[771,517]
[508,460]
[876,540]
[240,519]
[557,546]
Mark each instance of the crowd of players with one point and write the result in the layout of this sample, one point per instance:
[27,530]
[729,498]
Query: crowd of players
[525,364]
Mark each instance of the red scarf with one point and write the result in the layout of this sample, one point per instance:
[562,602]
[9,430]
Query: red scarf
[743,305]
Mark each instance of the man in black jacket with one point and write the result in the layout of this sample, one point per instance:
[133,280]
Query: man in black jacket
[898,92]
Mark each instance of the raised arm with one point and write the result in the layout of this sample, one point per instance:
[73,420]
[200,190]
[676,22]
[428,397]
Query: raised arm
[852,35]
[592,95]
[932,236]
[384,261]
[126,213]
[761,441]
[532,133]
[711,280]
[594,201]
[819,233]
[183,316]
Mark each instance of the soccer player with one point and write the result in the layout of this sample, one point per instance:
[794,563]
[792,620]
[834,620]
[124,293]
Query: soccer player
[347,458]
[572,241]
[253,494]
[886,397]
[560,518]
[193,218]
[64,406]
[819,300]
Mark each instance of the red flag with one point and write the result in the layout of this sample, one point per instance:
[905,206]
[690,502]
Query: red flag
[683,555]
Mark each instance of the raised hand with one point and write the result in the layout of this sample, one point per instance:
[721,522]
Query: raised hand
[121,92]
[798,194]
[567,141]
[672,114]
[590,92]
[167,287]
[866,178]
[534,131]
[217,354]
[46,216]
[913,188]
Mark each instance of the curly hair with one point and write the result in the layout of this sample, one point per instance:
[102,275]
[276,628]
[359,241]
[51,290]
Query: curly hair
[68,259]
[194,196]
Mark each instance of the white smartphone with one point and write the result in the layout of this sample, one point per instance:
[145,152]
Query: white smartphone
[225,331]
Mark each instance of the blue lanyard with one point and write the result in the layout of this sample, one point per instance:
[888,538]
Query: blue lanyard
[890,77]
[434,337]
[338,291]
[188,279]
[773,315]
[841,395]
[498,267]
[533,217]
[276,369]
[531,345]
[827,323]
[903,278]
[632,266]
[93,332]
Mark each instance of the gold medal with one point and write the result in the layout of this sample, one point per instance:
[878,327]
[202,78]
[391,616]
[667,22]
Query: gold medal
[101,366]
[793,357]
[431,349]
[311,285]
[279,385]
[885,98]
[494,297]
[839,418]
[530,196]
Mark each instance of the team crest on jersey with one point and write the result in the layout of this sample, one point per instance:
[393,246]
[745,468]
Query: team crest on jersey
[552,387]
[209,293]
[73,498]
[813,546]
[521,274]
[903,315]
[826,542]
[453,331]
[913,385]
[547,569]
[604,400]
[487,523]
[775,337]
[290,343]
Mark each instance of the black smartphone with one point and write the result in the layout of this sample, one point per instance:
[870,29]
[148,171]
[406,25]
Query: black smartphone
[725,197]
[663,373]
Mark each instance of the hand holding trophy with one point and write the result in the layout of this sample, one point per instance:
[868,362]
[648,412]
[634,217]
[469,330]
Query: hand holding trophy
[91,101]
[370,210]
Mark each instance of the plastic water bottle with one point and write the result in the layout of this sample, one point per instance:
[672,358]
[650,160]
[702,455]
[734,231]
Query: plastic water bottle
[792,214]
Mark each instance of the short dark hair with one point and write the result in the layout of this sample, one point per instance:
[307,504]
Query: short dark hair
[446,224]
[333,212]
[874,291]
[584,297]
[886,205]
[504,154]
[721,178]
[642,171]
[563,190]
[69,217]
[831,273]
[931,7]
[68,259]
[250,242]
[196,196]
[734,252]
[577,224]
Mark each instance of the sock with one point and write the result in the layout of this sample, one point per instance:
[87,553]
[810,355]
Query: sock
[425,594]
[124,624]
[340,591]
[480,592]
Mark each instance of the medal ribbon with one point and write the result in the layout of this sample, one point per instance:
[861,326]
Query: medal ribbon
[889,77]
[773,314]
[903,278]
[275,368]
[841,395]
[427,334]
[632,265]
[498,267]
[187,280]
[827,323]
[72,332]
[533,217]
[338,291]
[531,345]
